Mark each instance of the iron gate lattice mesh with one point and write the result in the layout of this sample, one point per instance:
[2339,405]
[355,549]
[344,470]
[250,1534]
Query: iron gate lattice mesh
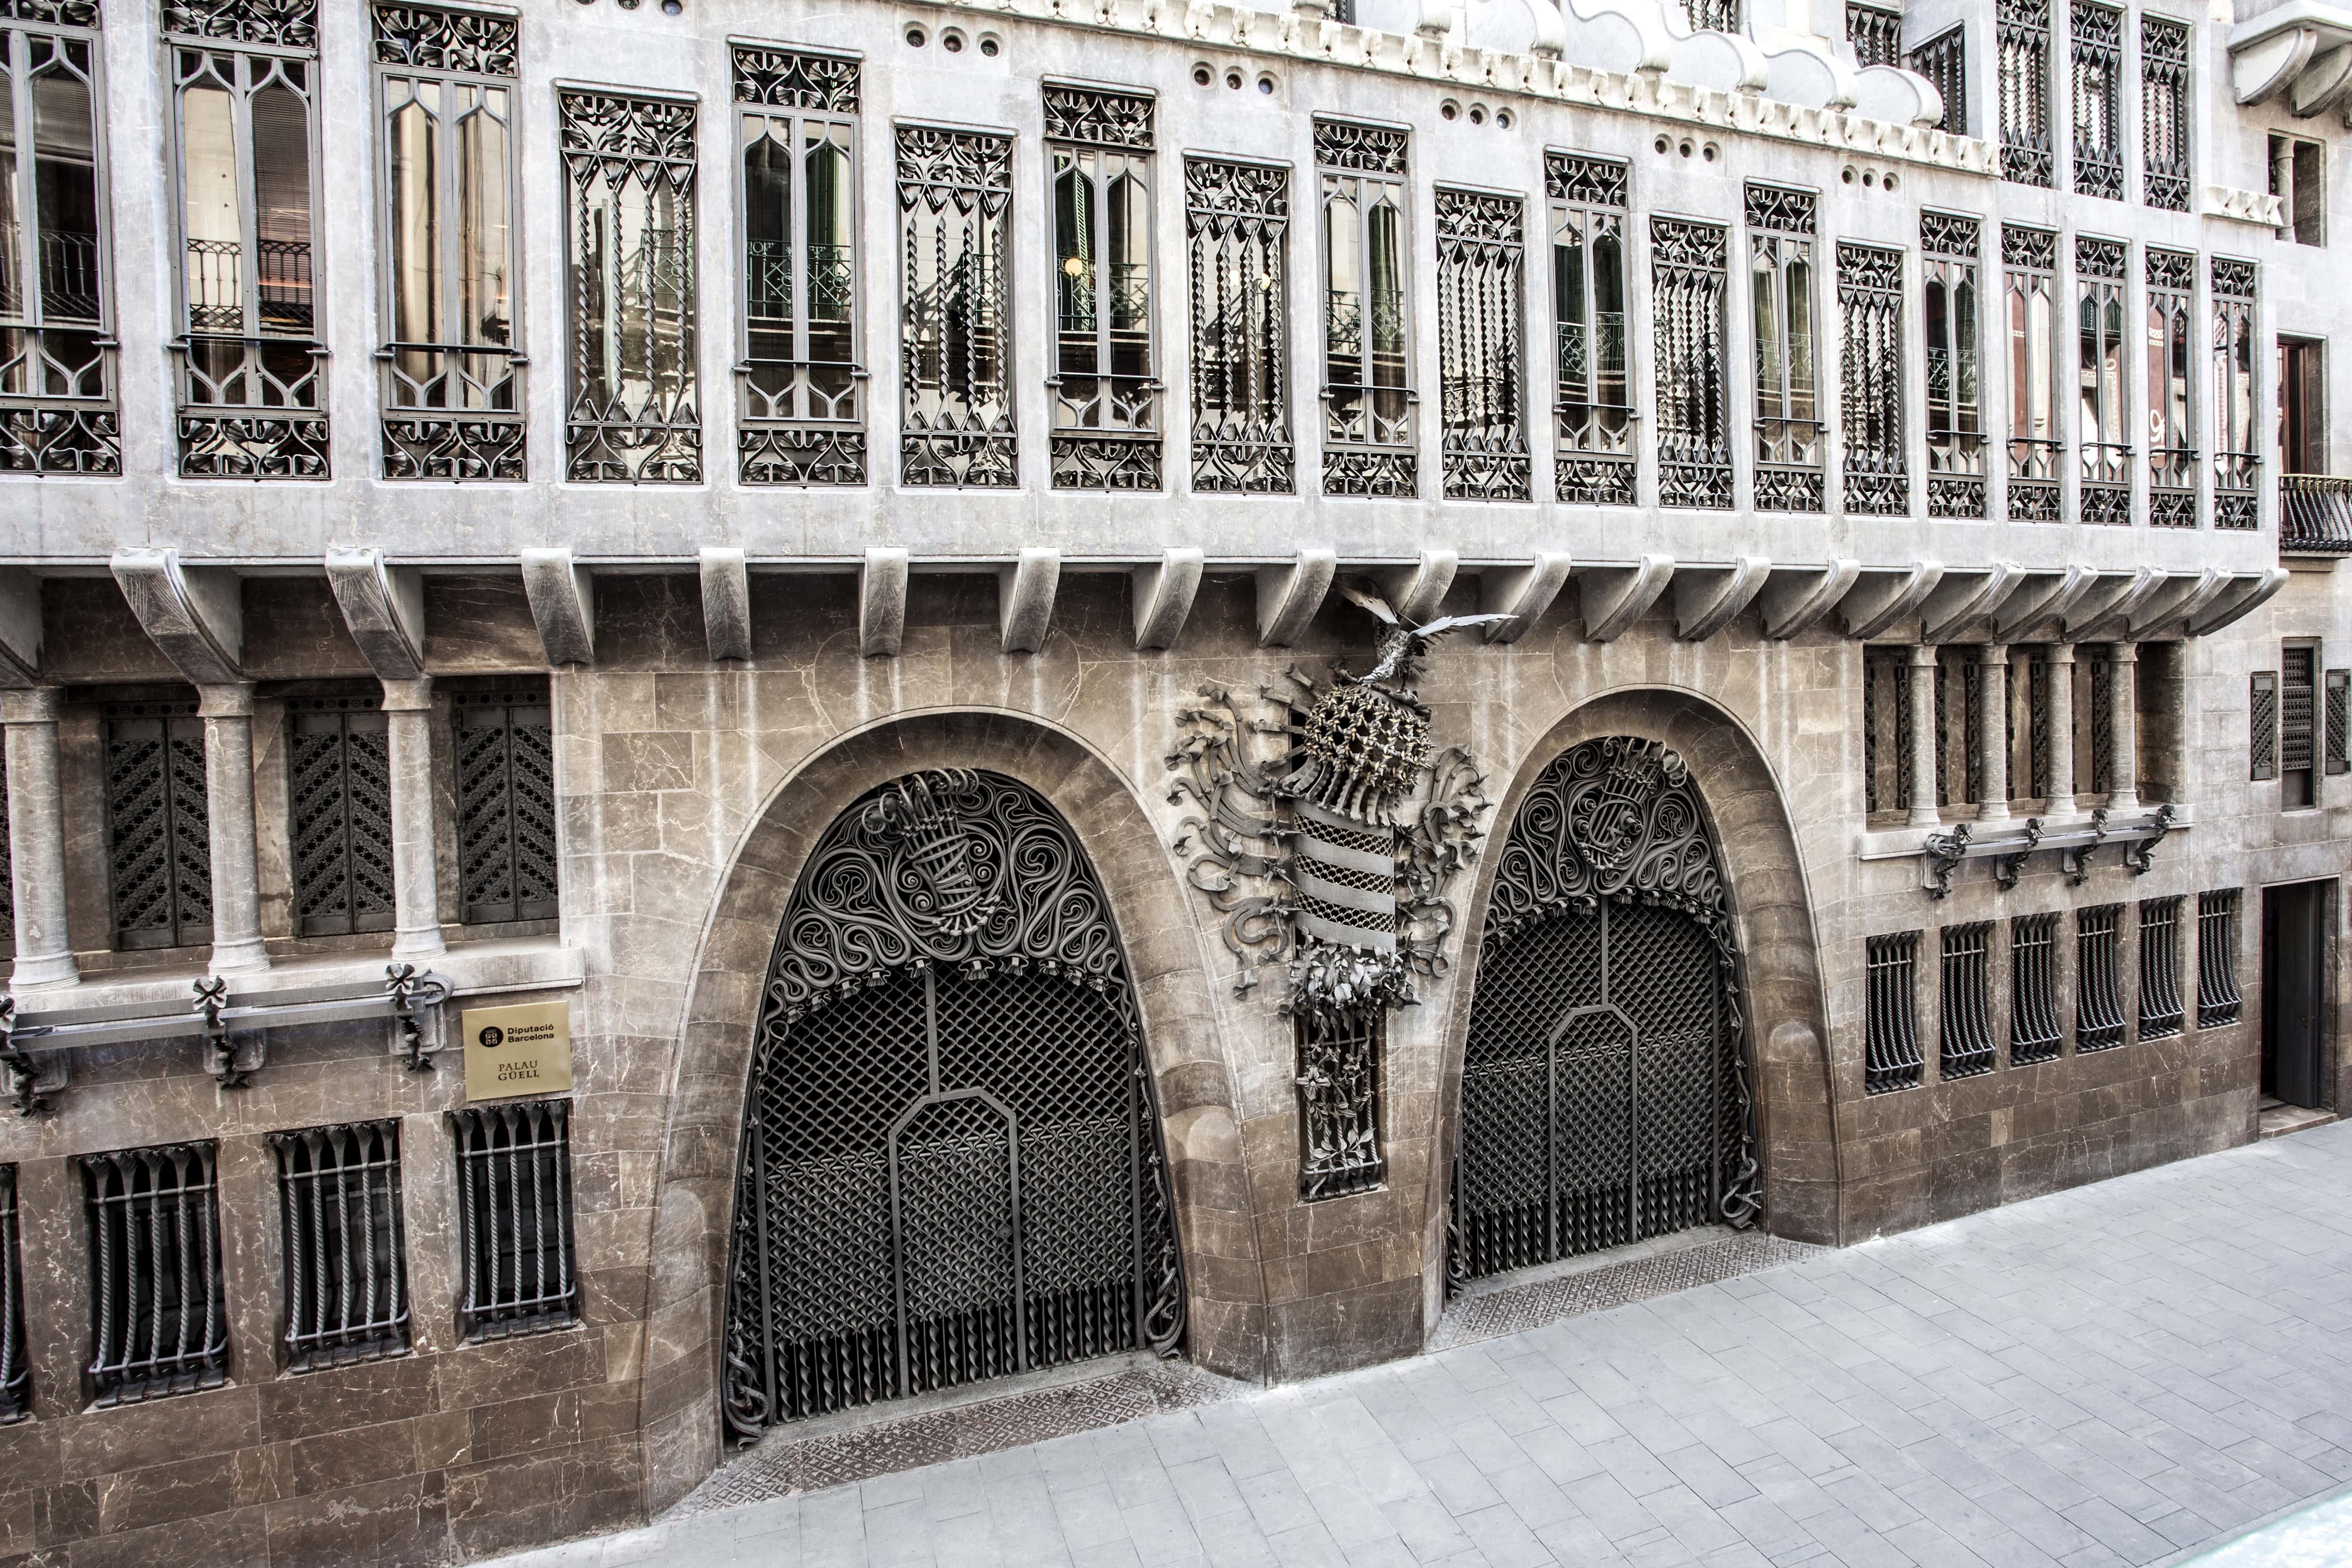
[1604,1089]
[950,1164]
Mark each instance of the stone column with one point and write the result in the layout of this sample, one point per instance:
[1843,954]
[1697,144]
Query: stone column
[416,895]
[2061,720]
[37,841]
[1922,720]
[227,713]
[1992,733]
[2123,725]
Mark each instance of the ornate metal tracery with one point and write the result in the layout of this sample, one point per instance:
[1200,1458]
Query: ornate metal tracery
[2237,454]
[1687,263]
[2164,166]
[2103,441]
[1237,231]
[1606,1094]
[159,857]
[2029,262]
[1105,382]
[2098,59]
[1790,435]
[2171,389]
[339,790]
[1481,338]
[1592,393]
[1952,291]
[2021,34]
[951,1164]
[1368,393]
[955,196]
[1877,478]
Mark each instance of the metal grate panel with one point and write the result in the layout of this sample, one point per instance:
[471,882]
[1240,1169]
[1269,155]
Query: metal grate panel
[159,1312]
[2166,166]
[2098,977]
[1338,1081]
[159,846]
[16,1363]
[2022,34]
[1481,345]
[7,866]
[2160,968]
[514,1211]
[2337,710]
[1944,60]
[2034,1034]
[506,804]
[346,1289]
[2296,710]
[2098,61]
[1870,308]
[2218,999]
[341,815]
[1892,1059]
[2261,726]
[1238,234]
[1687,283]
[1966,1035]
[1875,32]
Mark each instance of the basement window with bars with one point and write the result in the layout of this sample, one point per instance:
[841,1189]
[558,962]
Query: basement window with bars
[1892,1056]
[506,803]
[340,814]
[1966,1037]
[2099,965]
[346,1290]
[159,845]
[2033,1030]
[158,1307]
[2218,999]
[2297,750]
[514,1209]
[2160,1012]
[15,1364]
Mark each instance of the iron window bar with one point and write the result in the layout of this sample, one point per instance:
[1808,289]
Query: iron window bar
[2261,726]
[2166,169]
[2074,843]
[15,1364]
[2022,38]
[2218,999]
[2033,1032]
[1875,32]
[2314,515]
[33,1043]
[1480,336]
[2336,717]
[158,1308]
[2098,995]
[1892,1059]
[514,1211]
[1591,400]
[2160,1011]
[346,1293]
[2097,39]
[506,804]
[1944,60]
[1236,234]
[1966,1041]
[1339,1095]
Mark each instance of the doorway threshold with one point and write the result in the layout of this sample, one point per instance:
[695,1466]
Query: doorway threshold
[2276,1118]
[1597,1282]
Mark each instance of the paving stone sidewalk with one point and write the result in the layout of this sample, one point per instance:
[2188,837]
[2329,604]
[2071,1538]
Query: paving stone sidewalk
[2105,1376]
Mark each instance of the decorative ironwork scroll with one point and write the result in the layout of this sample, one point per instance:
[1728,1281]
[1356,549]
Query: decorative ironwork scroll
[796,78]
[1688,281]
[1104,381]
[1368,309]
[1953,292]
[1591,397]
[425,37]
[2030,261]
[1480,336]
[277,24]
[1606,1092]
[1870,312]
[2237,453]
[2021,37]
[955,192]
[2165,167]
[1237,231]
[948,1004]
[1875,32]
[53,12]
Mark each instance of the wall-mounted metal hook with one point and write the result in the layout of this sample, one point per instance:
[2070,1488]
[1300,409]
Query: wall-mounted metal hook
[2007,870]
[212,995]
[411,992]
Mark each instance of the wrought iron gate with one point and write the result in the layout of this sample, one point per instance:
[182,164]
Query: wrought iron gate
[1605,1095]
[950,1164]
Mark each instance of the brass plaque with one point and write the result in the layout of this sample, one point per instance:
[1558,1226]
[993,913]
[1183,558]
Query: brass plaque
[524,1049]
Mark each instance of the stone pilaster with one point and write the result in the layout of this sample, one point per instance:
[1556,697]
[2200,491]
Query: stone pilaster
[1922,718]
[37,841]
[2062,729]
[2123,725]
[227,713]
[416,893]
[1992,733]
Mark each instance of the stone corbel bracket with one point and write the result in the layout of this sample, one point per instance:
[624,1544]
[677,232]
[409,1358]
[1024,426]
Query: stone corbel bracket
[1163,596]
[1797,598]
[192,614]
[1612,597]
[1705,601]
[562,598]
[1521,592]
[882,603]
[2108,609]
[2245,595]
[1024,598]
[1416,591]
[2182,598]
[726,603]
[2301,51]
[1963,600]
[1288,596]
[383,608]
[1888,598]
[1940,854]
[2046,599]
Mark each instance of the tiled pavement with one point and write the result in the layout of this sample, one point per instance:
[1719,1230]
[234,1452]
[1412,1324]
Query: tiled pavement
[2105,1376]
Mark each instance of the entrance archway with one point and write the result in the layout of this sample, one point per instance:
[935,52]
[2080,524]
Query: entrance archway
[950,1161]
[1607,1095]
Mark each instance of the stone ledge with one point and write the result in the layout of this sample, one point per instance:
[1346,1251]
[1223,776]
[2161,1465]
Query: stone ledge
[1899,844]
[472,968]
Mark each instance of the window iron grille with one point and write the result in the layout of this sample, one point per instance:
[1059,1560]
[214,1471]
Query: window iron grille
[340,815]
[345,1255]
[2041,784]
[158,1308]
[1892,1031]
[16,1363]
[1368,335]
[1105,383]
[506,805]
[1944,60]
[2033,1032]
[2171,389]
[2021,42]
[2218,999]
[7,866]
[2094,730]
[2297,743]
[633,412]
[1951,294]
[2337,716]
[2237,457]
[2160,1011]
[1875,32]
[955,197]
[1886,739]
[1481,345]
[1713,16]
[1790,435]
[1877,478]
[159,848]
[2029,262]
[2103,411]
[1339,1147]
[273,24]
[2097,39]
[1688,263]
[2099,962]
[1594,464]
[2261,726]
[1237,239]
[427,38]
[1966,1035]
[514,1209]
[2165,167]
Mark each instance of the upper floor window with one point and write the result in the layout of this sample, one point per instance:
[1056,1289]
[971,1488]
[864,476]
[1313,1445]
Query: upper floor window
[252,363]
[2164,113]
[2171,422]
[2098,59]
[804,386]
[1481,341]
[2299,179]
[2030,266]
[1875,32]
[1788,394]
[1105,387]
[57,369]
[1944,60]
[1689,263]
[2302,405]
[635,401]
[2236,462]
[1368,430]
[1951,293]
[1870,306]
[955,201]
[2021,30]
[2105,438]
[1236,234]
[1591,392]
[452,374]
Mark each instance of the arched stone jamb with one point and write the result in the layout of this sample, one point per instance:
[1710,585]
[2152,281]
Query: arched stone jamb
[1781,980]
[1154,919]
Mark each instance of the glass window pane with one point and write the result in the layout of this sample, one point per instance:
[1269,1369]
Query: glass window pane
[484,200]
[209,209]
[768,237]
[64,177]
[281,182]
[412,157]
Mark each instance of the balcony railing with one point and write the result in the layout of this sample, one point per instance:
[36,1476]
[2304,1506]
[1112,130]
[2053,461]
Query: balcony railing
[2314,514]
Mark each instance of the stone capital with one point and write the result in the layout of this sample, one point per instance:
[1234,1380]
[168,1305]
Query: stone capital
[408,697]
[233,700]
[31,704]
